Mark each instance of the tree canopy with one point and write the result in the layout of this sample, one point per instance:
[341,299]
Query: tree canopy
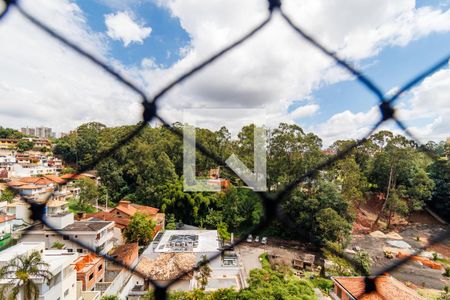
[140,230]
[149,170]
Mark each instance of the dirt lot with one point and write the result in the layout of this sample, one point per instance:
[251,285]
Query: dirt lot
[250,252]
[368,212]
[413,272]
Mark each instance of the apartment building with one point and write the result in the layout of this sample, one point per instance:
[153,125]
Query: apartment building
[63,284]
[96,234]
[8,143]
[40,132]
[29,170]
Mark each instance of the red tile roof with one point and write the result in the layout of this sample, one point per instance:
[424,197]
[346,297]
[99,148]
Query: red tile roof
[70,176]
[16,183]
[77,176]
[6,218]
[130,208]
[126,253]
[37,180]
[386,288]
[55,178]
[89,261]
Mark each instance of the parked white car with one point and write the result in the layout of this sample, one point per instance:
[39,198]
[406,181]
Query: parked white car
[249,238]
[264,240]
[257,239]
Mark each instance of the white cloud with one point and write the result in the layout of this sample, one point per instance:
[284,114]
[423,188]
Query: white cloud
[277,67]
[53,86]
[429,103]
[121,26]
[347,125]
[304,111]
[43,82]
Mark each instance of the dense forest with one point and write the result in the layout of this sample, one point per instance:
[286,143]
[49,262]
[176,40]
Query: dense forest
[148,170]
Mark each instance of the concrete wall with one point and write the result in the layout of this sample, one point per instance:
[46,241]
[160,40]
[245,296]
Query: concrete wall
[92,276]
[60,222]
[118,235]
[89,239]
[116,285]
[22,213]
[5,227]
[62,286]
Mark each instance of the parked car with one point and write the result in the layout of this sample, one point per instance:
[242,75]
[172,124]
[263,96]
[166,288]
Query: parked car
[264,240]
[257,239]
[249,238]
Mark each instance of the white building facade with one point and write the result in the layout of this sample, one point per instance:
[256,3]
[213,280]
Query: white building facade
[63,284]
[225,269]
[98,235]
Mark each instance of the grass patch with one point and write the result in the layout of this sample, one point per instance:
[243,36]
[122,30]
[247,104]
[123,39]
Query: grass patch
[430,294]
[76,207]
[444,261]
[325,285]
[264,259]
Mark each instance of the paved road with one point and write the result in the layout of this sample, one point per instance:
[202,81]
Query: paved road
[249,258]
[320,295]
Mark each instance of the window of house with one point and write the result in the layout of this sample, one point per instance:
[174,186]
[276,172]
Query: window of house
[65,237]
[46,235]
[66,292]
[80,250]
[339,293]
[100,267]
[91,276]
[69,250]
[76,236]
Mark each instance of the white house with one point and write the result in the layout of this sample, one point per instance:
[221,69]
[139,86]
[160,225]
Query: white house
[6,223]
[63,284]
[21,212]
[187,248]
[95,234]
[18,170]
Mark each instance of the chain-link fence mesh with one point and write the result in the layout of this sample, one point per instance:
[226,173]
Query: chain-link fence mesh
[271,203]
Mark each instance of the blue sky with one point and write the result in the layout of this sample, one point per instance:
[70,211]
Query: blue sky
[163,44]
[391,68]
[153,41]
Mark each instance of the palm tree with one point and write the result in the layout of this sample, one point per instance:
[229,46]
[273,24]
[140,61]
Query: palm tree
[22,272]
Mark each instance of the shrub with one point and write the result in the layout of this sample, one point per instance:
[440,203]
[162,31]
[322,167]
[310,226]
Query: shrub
[323,284]
[447,272]
[58,245]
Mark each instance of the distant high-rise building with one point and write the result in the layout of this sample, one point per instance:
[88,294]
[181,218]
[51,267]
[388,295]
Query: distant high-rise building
[40,132]
[28,131]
